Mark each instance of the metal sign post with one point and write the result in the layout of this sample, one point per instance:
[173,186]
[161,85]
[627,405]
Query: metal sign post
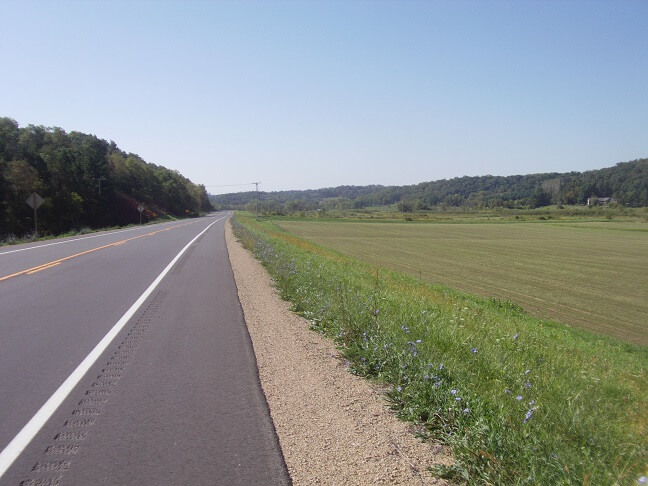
[34,201]
[140,208]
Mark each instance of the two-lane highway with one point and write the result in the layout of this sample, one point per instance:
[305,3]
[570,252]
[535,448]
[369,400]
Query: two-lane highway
[124,359]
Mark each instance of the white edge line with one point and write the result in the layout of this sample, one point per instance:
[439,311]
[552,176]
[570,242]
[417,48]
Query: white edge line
[72,240]
[68,241]
[29,431]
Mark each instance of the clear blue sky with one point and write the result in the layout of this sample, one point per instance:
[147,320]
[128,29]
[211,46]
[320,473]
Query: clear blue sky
[312,94]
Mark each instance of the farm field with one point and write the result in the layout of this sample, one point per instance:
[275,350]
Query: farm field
[518,400]
[589,275]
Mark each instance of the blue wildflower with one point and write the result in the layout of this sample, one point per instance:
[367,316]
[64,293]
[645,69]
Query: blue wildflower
[527,417]
[466,410]
[516,336]
[453,392]
[474,350]
[518,398]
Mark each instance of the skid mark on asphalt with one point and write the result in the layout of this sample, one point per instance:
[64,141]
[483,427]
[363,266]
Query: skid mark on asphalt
[68,440]
[177,270]
[179,266]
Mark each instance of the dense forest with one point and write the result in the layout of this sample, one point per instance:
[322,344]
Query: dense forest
[626,183]
[84,182]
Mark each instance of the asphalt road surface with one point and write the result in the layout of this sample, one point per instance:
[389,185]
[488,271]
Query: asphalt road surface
[126,360]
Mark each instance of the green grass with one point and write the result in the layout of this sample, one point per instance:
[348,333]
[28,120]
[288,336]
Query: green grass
[592,275]
[519,400]
[467,215]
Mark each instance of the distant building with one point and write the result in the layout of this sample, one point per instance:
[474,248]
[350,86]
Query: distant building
[599,200]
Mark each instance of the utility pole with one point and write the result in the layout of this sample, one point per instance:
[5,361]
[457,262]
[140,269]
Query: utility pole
[257,199]
[99,179]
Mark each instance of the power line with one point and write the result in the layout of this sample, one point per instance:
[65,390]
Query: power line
[244,184]
[234,185]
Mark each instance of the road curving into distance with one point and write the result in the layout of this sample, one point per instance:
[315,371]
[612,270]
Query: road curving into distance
[124,359]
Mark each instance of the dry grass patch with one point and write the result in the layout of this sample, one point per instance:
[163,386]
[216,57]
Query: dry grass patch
[590,275]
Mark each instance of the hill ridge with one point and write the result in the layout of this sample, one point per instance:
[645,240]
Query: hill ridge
[626,183]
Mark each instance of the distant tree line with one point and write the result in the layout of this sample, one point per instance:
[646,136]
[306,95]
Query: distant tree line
[626,182]
[84,181]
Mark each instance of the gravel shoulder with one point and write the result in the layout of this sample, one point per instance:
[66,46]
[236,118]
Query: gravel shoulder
[333,427]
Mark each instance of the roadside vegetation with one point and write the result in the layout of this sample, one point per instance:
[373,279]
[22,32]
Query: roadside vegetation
[519,400]
[84,181]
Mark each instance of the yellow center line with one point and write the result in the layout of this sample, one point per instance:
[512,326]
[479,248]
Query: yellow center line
[45,267]
[54,263]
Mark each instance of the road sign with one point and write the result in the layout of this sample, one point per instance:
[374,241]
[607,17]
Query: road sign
[34,200]
[140,208]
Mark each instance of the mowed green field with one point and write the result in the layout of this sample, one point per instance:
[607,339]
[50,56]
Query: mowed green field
[590,275]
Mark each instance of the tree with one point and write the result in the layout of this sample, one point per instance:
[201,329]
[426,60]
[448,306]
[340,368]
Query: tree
[22,178]
[406,206]
[539,198]
[84,180]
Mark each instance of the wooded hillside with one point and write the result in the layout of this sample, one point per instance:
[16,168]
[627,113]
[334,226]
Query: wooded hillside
[626,182]
[84,181]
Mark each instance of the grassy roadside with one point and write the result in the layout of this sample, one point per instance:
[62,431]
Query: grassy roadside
[519,400]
